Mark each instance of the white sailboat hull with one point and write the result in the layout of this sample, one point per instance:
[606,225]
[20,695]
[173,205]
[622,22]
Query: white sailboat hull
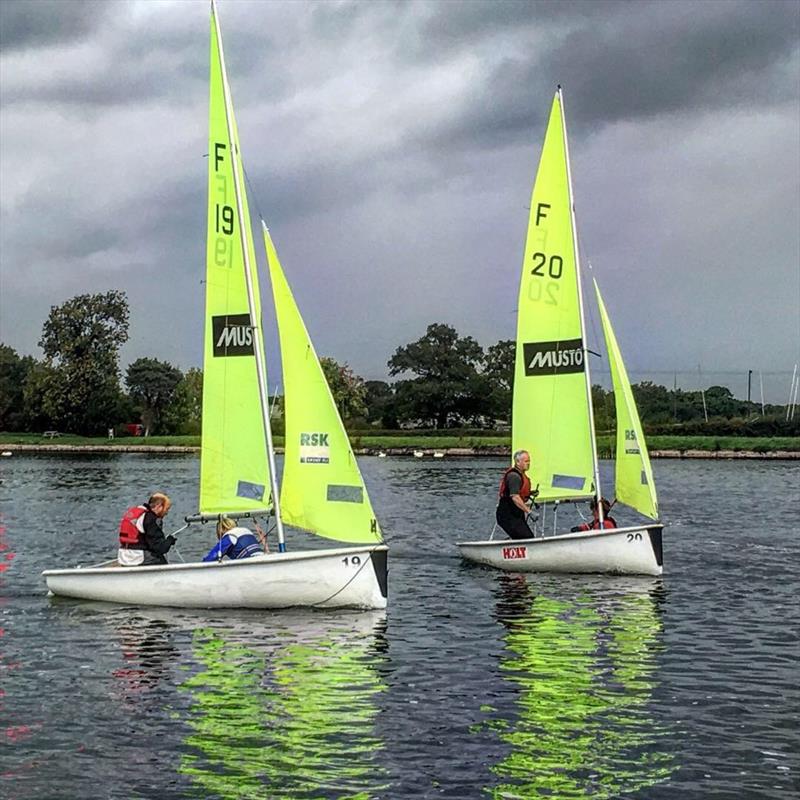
[354,577]
[623,551]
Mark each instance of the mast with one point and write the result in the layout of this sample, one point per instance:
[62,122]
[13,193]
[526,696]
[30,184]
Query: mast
[595,462]
[248,273]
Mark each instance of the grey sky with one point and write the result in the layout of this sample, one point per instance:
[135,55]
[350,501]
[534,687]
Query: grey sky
[391,148]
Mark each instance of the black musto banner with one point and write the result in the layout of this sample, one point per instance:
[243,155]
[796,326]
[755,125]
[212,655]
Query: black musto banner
[233,335]
[553,358]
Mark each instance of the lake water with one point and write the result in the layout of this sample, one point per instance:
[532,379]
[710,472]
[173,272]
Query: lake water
[473,683]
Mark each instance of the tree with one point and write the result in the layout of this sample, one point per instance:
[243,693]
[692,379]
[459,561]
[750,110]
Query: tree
[185,412]
[152,383]
[381,404]
[13,374]
[81,341]
[604,409]
[448,387]
[348,389]
[499,370]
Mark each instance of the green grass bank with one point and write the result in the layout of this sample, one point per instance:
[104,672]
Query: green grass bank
[408,442]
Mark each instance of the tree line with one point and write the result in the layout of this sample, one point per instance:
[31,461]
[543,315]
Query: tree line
[442,381]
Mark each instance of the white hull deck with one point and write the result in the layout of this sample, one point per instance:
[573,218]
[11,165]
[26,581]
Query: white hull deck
[347,577]
[623,551]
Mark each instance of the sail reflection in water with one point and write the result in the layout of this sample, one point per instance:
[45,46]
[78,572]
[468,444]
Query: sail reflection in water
[287,711]
[584,668]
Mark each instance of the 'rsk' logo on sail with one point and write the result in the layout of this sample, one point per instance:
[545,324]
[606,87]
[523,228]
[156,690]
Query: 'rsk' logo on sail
[553,358]
[233,335]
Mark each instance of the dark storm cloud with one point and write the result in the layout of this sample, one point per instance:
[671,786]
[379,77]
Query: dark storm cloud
[42,23]
[616,60]
[391,147]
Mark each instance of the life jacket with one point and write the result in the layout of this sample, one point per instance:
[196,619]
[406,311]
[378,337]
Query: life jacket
[131,532]
[525,489]
[608,523]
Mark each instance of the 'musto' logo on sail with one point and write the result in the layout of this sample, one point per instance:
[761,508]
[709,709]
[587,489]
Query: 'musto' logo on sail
[233,335]
[553,358]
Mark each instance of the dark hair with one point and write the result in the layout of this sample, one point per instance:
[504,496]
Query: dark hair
[606,504]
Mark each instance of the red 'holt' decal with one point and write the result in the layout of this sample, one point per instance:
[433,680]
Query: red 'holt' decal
[515,552]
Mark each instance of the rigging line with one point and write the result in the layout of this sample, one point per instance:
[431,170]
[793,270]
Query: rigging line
[355,575]
[252,193]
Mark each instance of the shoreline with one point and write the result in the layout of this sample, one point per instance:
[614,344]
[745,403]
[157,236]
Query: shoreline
[404,452]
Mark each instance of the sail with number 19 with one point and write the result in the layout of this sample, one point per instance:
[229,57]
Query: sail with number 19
[322,487]
[552,413]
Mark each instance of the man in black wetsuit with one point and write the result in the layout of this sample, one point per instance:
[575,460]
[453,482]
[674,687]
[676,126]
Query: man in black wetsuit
[515,491]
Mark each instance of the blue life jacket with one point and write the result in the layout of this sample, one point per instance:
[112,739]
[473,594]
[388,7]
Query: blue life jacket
[234,546]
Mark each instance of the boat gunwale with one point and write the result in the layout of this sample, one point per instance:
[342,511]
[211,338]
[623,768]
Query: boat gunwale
[265,558]
[561,537]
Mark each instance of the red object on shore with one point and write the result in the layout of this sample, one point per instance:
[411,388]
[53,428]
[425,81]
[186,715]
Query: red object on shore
[134,428]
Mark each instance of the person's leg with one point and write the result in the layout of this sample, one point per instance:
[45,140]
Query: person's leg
[153,559]
[515,527]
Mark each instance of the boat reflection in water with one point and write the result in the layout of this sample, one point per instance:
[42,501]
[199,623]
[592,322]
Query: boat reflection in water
[285,707]
[583,663]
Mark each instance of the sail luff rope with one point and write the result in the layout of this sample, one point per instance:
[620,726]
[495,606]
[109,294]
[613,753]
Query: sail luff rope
[587,372]
[257,341]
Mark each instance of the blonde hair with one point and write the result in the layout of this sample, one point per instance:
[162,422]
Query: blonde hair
[224,525]
[159,497]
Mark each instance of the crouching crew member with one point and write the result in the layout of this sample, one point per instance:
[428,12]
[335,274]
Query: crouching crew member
[594,525]
[236,542]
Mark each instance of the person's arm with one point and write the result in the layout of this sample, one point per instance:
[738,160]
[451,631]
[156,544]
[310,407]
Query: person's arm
[519,503]
[213,553]
[220,549]
[154,535]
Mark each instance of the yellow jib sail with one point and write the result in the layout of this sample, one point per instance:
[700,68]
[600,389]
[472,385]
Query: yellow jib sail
[234,472]
[550,408]
[322,489]
[634,477]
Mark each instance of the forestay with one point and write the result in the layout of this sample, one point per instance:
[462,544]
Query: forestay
[322,489]
[234,471]
[551,416]
[634,477]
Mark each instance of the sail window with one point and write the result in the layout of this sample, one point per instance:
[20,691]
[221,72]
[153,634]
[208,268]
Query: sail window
[345,494]
[253,491]
[568,482]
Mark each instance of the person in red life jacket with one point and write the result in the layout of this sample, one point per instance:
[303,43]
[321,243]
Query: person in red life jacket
[515,493]
[594,525]
[141,537]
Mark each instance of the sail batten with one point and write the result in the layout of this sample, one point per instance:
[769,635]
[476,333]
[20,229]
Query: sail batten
[551,405]
[322,490]
[634,483]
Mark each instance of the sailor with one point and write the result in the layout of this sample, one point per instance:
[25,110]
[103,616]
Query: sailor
[515,493]
[594,525]
[141,537]
[236,542]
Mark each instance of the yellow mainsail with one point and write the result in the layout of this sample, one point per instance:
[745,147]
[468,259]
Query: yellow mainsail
[322,489]
[551,415]
[634,476]
[234,471]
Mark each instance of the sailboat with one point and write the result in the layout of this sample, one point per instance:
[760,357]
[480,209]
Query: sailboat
[552,414]
[322,490]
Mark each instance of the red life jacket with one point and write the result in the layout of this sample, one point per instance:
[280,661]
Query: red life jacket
[608,523]
[525,489]
[129,533]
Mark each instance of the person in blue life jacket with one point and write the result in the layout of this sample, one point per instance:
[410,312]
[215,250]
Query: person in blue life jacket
[235,542]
